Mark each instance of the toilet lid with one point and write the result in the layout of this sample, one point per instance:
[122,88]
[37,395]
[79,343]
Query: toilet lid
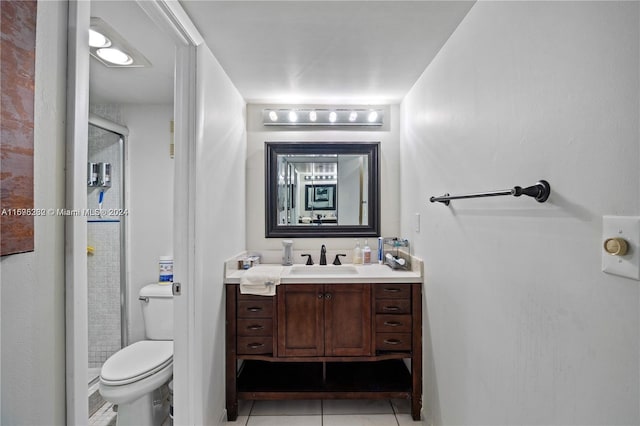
[137,361]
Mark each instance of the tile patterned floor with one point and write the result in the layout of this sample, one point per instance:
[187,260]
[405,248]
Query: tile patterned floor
[325,413]
[307,413]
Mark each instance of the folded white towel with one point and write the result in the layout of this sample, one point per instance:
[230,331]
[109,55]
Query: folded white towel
[261,280]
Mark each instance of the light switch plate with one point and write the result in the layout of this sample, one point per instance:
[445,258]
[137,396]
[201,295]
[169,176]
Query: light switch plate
[628,228]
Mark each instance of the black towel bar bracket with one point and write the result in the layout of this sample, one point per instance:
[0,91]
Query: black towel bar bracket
[540,191]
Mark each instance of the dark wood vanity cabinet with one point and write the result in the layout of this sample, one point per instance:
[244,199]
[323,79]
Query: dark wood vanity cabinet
[325,341]
[324,320]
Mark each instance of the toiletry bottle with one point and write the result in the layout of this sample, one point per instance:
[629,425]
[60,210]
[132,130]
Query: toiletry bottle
[380,250]
[366,253]
[357,253]
[166,270]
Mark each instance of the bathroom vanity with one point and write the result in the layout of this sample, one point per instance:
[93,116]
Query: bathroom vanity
[356,335]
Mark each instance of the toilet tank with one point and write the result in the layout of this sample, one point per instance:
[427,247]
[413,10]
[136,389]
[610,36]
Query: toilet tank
[157,311]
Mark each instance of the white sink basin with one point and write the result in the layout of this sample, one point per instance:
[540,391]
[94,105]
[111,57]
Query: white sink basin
[323,270]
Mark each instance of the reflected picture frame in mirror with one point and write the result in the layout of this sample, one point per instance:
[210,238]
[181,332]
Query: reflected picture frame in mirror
[303,184]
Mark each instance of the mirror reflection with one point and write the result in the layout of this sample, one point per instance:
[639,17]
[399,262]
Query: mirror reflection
[321,188]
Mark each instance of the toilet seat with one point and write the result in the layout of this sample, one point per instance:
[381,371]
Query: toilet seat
[137,361]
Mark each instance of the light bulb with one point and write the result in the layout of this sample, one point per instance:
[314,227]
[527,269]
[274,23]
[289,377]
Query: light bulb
[115,56]
[273,116]
[373,116]
[353,116]
[97,39]
[293,117]
[313,116]
[333,116]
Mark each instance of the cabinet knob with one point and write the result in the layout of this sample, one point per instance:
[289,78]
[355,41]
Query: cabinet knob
[320,296]
[327,296]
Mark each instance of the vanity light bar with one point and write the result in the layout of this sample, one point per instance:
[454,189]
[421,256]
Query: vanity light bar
[322,117]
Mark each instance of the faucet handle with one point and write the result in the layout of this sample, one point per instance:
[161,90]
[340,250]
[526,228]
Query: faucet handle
[336,261]
[309,260]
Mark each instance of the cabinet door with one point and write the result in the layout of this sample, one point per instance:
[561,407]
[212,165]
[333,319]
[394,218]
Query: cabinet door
[300,320]
[347,312]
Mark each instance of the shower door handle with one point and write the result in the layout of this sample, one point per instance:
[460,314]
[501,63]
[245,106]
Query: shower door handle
[177,289]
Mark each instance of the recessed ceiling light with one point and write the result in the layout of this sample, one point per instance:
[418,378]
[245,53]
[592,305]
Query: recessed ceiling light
[111,49]
[97,39]
[115,56]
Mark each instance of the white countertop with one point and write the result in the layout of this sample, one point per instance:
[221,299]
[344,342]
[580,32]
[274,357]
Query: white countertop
[374,273]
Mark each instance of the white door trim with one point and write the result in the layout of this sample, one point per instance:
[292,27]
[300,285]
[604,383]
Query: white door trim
[187,398]
[76,226]
[170,17]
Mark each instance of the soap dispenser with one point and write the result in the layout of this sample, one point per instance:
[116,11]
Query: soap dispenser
[287,252]
[357,253]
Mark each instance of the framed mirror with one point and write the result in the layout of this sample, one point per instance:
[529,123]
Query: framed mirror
[322,189]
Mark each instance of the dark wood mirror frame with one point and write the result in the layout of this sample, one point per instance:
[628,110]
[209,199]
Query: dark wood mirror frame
[273,149]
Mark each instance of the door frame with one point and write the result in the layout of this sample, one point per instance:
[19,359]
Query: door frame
[171,18]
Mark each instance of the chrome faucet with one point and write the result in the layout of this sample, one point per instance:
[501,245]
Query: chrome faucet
[323,255]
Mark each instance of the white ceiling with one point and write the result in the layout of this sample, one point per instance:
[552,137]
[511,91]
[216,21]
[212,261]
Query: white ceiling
[152,85]
[341,52]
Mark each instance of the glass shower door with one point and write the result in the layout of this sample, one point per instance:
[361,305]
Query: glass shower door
[106,278]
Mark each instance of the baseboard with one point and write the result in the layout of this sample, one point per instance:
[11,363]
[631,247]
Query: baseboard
[222,418]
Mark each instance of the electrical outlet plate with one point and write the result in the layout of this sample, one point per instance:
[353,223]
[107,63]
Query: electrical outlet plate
[628,228]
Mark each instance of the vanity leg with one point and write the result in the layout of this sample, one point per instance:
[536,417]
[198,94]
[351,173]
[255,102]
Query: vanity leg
[231,356]
[416,357]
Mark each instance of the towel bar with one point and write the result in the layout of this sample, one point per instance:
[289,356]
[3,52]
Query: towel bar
[540,191]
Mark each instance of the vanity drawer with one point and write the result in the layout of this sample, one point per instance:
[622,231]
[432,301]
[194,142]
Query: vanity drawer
[393,306]
[393,341]
[255,345]
[255,308]
[392,291]
[255,327]
[393,323]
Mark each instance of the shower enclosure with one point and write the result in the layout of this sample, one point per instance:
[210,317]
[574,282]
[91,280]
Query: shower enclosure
[106,272]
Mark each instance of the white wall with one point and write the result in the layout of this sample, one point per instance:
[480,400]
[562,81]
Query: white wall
[150,200]
[521,325]
[33,319]
[219,220]
[258,134]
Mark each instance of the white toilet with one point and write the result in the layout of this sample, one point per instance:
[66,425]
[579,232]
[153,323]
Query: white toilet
[130,376]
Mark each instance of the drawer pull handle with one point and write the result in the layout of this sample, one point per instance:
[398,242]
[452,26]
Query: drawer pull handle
[254,309]
[392,341]
[391,290]
[391,308]
[392,323]
[255,345]
[255,327]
